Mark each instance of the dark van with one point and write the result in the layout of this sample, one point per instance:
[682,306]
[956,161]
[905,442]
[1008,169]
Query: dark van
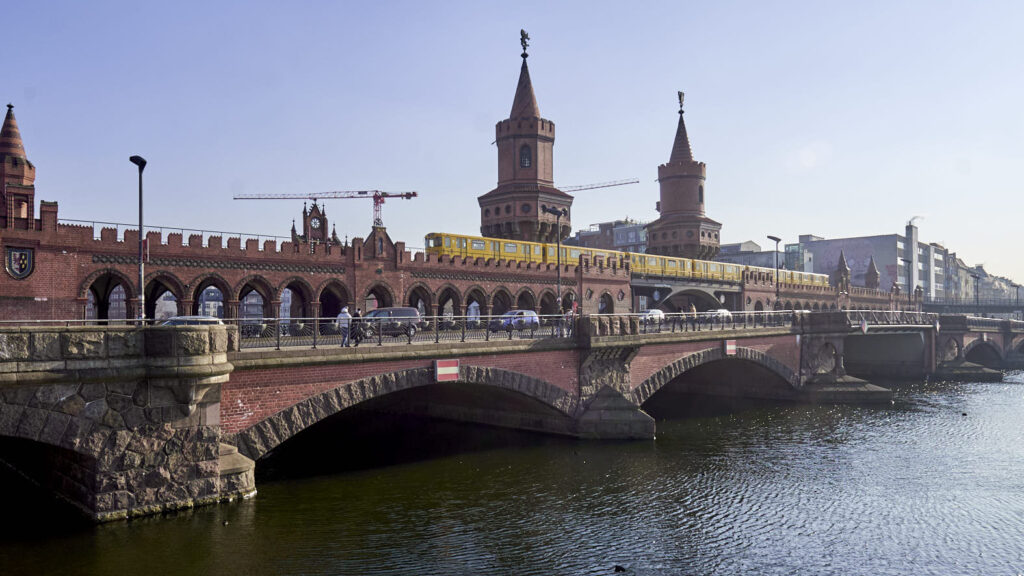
[398,321]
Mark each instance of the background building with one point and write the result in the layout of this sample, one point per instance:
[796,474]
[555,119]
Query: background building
[902,259]
[622,235]
[749,253]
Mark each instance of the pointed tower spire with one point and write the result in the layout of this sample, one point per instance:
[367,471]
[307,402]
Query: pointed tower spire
[872,279]
[10,137]
[681,147]
[525,103]
[842,267]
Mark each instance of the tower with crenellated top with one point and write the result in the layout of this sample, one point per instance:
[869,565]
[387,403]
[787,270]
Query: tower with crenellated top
[525,141]
[683,229]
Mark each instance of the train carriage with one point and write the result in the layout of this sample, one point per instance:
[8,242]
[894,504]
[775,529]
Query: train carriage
[440,243]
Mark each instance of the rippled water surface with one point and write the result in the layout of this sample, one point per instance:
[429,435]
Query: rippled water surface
[933,484]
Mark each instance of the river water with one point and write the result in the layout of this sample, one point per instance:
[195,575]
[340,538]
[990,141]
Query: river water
[933,484]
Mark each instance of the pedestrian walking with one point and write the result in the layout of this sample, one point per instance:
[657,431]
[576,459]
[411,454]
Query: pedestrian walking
[344,322]
[357,327]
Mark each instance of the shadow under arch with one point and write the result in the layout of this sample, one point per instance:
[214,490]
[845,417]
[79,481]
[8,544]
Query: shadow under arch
[670,372]
[680,300]
[261,438]
[985,353]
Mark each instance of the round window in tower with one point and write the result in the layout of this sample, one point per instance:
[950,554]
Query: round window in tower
[526,208]
[689,233]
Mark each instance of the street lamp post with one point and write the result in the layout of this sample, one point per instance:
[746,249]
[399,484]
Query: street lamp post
[557,213]
[141,163]
[977,295]
[776,239]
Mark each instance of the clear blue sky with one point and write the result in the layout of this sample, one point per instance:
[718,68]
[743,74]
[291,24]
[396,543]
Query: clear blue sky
[837,119]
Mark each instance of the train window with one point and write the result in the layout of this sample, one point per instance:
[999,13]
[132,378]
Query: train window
[447,242]
[536,250]
[574,253]
[551,251]
[510,248]
[526,249]
[463,243]
[478,245]
[671,263]
[494,246]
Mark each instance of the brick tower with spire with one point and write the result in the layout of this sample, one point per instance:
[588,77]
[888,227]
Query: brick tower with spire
[683,229]
[525,143]
[17,177]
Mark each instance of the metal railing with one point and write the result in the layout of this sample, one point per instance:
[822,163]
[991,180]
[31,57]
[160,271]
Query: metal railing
[890,318]
[373,331]
[652,323]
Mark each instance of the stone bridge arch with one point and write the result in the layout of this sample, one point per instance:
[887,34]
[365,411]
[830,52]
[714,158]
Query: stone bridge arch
[679,300]
[984,352]
[259,439]
[683,365]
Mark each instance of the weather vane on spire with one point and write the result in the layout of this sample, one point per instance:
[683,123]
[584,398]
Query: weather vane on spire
[680,101]
[524,39]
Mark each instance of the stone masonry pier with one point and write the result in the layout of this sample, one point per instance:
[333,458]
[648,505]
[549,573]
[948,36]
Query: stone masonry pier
[120,421]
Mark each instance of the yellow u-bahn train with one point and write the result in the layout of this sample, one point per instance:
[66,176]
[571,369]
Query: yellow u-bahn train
[441,243]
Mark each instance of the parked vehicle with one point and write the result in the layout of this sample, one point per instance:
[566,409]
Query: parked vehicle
[397,321]
[515,320]
[191,321]
[653,315]
[722,315]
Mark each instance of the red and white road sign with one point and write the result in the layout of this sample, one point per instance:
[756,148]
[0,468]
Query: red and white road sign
[730,347]
[446,370]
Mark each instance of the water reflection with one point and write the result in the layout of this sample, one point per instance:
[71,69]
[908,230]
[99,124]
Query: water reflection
[929,485]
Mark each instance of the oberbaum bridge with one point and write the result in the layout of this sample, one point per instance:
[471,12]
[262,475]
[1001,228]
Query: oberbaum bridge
[125,419]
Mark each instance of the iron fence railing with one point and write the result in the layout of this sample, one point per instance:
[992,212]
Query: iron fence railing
[380,331]
[891,317]
[655,323]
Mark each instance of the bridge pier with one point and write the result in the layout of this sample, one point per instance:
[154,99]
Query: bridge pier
[119,421]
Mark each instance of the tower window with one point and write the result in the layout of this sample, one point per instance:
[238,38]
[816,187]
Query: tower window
[526,208]
[700,194]
[487,212]
[525,157]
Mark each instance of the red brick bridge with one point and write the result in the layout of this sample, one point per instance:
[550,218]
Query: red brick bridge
[126,421]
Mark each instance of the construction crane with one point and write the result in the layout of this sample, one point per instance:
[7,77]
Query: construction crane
[600,185]
[377,196]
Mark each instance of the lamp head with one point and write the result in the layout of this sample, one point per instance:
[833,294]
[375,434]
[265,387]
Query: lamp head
[138,161]
[774,238]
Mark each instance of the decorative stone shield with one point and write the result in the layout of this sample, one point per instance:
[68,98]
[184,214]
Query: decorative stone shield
[19,262]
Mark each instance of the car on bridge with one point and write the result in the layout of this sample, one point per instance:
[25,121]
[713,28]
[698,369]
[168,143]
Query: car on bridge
[397,321]
[653,315]
[515,320]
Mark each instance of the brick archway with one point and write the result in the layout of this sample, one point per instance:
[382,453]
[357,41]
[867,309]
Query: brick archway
[159,283]
[199,285]
[100,285]
[670,372]
[260,438]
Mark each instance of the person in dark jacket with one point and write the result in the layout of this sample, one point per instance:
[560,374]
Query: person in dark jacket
[357,327]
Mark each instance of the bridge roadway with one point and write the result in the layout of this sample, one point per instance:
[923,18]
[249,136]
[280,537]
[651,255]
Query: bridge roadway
[125,421]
